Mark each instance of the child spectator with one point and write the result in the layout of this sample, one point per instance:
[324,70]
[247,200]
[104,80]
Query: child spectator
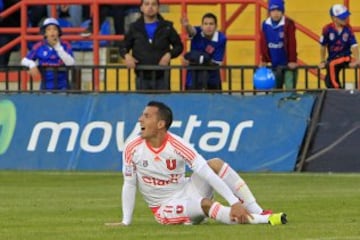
[50,52]
[339,40]
[278,45]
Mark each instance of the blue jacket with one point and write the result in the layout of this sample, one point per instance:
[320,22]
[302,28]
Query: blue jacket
[47,56]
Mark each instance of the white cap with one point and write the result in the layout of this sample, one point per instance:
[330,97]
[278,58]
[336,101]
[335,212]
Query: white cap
[51,21]
[339,11]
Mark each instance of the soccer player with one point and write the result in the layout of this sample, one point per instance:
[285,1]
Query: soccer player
[155,162]
[278,45]
[339,40]
[50,52]
[207,48]
[151,40]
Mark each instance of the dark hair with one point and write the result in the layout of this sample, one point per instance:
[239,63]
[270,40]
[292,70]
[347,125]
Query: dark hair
[142,1]
[209,15]
[165,112]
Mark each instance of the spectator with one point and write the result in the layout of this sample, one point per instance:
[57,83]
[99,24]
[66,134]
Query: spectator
[70,13]
[132,13]
[122,14]
[207,48]
[12,20]
[339,40]
[153,41]
[36,15]
[50,52]
[278,45]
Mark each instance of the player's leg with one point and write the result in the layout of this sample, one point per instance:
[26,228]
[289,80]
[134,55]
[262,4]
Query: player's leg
[290,79]
[236,184]
[198,188]
[177,211]
[221,213]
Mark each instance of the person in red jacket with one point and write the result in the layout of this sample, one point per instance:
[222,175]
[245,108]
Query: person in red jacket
[278,45]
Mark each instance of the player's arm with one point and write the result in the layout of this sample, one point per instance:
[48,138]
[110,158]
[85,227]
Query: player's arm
[204,171]
[355,55]
[191,31]
[64,55]
[31,64]
[128,199]
[322,56]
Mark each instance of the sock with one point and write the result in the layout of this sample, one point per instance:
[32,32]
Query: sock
[239,188]
[220,213]
[258,218]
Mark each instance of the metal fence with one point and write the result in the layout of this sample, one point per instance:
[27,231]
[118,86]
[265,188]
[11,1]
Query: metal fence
[118,78]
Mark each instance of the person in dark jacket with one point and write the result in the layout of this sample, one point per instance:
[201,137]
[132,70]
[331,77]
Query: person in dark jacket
[278,45]
[153,41]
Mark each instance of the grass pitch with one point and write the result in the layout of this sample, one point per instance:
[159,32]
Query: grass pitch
[75,205]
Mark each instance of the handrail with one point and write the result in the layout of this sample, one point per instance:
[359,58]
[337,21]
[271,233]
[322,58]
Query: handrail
[239,77]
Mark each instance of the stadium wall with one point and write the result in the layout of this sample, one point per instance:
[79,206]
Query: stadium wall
[335,145]
[88,132]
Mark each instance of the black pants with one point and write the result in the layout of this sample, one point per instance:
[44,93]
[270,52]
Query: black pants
[154,80]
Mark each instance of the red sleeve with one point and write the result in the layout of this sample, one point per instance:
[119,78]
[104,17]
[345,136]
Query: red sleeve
[291,41]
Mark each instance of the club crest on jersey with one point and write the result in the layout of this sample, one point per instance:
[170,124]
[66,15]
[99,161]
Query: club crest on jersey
[281,34]
[331,36]
[145,163]
[345,37]
[171,164]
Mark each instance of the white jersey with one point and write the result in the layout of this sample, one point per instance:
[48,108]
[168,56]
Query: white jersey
[159,173]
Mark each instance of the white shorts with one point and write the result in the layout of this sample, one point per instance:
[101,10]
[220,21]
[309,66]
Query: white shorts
[185,207]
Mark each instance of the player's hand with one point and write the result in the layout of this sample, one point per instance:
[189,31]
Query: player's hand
[184,21]
[165,60]
[264,64]
[35,73]
[53,40]
[185,62]
[292,65]
[130,61]
[355,63]
[239,214]
[115,224]
[322,65]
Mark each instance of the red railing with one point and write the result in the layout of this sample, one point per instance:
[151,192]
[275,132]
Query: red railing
[27,34]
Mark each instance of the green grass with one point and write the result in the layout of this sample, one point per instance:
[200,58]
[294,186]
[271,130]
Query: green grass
[75,205]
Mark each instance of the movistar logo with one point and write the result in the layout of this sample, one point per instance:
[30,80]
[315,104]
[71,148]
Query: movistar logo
[7,124]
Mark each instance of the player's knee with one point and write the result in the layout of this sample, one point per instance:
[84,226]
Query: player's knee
[215,164]
[206,205]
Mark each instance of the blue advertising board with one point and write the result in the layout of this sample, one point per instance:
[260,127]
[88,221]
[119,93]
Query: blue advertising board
[88,132]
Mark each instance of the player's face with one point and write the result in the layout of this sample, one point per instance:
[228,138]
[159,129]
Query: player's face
[208,27]
[52,33]
[276,14]
[150,122]
[150,8]
[340,22]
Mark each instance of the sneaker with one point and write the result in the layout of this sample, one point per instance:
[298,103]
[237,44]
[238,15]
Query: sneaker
[277,219]
[266,212]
